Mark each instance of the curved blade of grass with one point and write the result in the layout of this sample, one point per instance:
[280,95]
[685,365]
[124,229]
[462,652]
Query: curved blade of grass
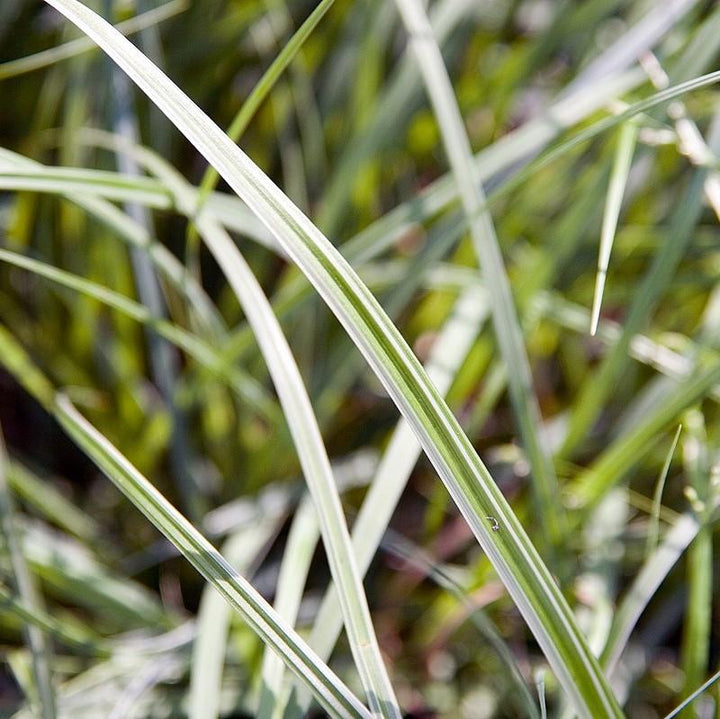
[76,47]
[449,351]
[470,484]
[646,583]
[618,179]
[35,637]
[299,549]
[327,688]
[487,250]
[112,185]
[306,436]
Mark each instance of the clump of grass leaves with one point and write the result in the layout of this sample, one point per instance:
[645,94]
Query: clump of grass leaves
[210,384]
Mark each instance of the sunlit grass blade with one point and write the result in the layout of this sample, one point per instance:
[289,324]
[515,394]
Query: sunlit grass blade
[510,550]
[487,250]
[306,436]
[618,179]
[449,351]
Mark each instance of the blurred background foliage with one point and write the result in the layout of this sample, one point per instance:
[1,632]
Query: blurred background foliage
[349,135]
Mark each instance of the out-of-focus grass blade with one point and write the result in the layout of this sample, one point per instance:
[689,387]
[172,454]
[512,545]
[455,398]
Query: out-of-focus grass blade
[510,550]
[616,190]
[34,636]
[620,456]
[81,641]
[636,40]
[70,572]
[654,521]
[61,180]
[601,383]
[262,90]
[42,496]
[487,250]
[697,623]
[76,47]
[306,436]
[301,544]
[200,350]
[648,580]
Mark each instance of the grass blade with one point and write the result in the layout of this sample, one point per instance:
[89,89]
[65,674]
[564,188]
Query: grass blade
[618,179]
[35,637]
[308,442]
[654,526]
[326,687]
[694,696]
[213,622]
[470,484]
[487,251]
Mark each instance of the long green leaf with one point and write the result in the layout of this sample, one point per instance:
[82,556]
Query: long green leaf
[327,688]
[487,250]
[308,442]
[510,550]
